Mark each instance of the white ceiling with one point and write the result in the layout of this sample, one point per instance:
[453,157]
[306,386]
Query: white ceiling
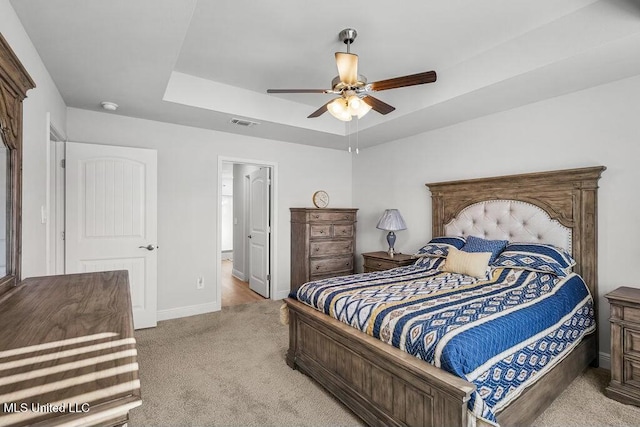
[202,62]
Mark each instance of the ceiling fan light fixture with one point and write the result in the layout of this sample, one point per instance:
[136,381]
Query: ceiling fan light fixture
[357,107]
[354,102]
[363,109]
[339,109]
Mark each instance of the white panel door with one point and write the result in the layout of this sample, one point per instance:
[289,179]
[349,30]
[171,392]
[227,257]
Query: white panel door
[259,229]
[111,219]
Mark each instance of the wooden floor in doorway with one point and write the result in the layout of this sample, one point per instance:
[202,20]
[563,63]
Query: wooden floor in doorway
[235,291]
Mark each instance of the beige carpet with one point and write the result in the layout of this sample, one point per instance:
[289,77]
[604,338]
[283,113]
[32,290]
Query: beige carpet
[228,369]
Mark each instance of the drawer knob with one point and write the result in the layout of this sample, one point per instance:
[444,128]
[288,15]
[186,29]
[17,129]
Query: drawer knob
[321,231]
[347,247]
[379,264]
[348,264]
[346,217]
[316,216]
[317,249]
[317,267]
[344,231]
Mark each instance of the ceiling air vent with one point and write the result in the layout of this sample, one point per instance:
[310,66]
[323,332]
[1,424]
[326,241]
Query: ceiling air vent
[243,122]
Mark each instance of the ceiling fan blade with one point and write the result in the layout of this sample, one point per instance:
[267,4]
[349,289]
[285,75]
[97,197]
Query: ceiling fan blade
[379,106]
[411,80]
[297,91]
[347,64]
[320,111]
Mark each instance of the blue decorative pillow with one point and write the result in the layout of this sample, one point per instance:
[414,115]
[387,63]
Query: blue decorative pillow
[439,246]
[531,262]
[540,257]
[559,255]
[430,263]
[476,244]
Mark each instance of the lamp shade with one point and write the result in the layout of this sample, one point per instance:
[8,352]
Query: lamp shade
[391,220]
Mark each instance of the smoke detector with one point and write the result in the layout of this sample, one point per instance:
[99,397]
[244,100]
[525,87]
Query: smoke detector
[109,106]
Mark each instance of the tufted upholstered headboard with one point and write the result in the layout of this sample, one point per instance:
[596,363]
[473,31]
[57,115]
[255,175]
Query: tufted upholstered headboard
[512,220]
[558,207]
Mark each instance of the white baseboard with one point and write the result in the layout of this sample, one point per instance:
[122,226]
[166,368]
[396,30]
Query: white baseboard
[238,275]
[280,295]
[191,310]
[605,360]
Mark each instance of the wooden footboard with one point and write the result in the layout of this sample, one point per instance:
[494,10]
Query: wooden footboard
[388,387]
[381,384]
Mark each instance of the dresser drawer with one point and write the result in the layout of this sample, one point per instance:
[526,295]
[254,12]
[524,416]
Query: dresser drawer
[329,275]
[631,342]
[325,266]
[342,230]
[332,216]
[331,247]
[320,230]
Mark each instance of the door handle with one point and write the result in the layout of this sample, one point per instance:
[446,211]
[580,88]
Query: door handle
[149,247]
[249,236]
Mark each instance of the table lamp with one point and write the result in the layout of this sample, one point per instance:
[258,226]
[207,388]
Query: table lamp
[391,221]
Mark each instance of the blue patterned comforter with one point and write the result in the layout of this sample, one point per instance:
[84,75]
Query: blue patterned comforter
[500,334]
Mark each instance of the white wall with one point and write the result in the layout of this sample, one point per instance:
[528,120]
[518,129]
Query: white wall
[44,98]
[598,126]
[188,191]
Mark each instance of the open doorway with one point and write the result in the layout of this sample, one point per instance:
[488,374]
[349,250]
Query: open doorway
[246,215]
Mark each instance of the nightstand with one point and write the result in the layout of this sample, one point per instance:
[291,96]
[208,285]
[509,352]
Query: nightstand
[378,261]
[625,345]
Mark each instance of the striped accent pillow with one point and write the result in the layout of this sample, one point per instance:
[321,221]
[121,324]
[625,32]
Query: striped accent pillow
[470,263]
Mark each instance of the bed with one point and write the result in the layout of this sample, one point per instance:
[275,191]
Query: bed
[386,386]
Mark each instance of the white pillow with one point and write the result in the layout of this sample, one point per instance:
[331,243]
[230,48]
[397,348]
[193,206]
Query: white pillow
[470,263]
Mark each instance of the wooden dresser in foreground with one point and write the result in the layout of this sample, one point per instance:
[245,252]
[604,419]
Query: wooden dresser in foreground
[379,261]
[323,242]
[625,345]
[67,351]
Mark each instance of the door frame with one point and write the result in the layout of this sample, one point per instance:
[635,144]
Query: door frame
[54,241]
[273,266]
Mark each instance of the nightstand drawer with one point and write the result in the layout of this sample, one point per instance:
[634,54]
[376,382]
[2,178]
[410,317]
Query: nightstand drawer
[379,264]
[331,247]
[379,261]
[632,372]
[631,314]
[631,342]
[325,266]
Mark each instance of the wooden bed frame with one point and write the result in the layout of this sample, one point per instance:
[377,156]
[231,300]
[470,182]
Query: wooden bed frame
[387,387]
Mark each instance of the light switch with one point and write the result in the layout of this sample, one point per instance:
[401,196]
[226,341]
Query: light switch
[43,214]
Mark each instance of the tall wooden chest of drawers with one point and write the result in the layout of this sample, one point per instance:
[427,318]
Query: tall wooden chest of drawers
[625,345]
[323,242]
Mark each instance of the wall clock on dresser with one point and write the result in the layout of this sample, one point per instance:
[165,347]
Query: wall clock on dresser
[320,199]
[323,242]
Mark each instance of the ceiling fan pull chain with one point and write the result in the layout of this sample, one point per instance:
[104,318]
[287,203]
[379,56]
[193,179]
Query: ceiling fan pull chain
[357,135]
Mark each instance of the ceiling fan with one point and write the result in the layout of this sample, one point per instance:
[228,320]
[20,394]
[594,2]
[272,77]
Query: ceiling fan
[355,93]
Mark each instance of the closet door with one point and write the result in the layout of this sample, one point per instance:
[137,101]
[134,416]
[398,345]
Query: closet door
[111,218]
